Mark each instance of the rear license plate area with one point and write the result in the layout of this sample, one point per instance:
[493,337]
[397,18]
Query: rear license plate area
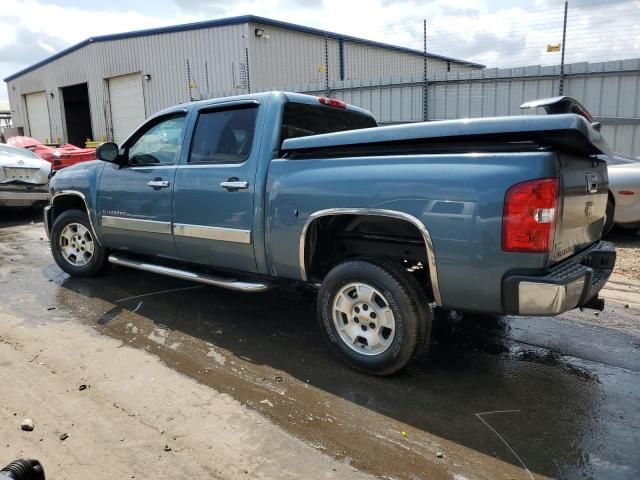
[20,174]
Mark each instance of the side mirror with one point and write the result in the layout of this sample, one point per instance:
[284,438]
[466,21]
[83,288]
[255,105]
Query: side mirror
[107,152]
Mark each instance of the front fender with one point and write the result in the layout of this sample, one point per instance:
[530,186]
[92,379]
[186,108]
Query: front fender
[81,182]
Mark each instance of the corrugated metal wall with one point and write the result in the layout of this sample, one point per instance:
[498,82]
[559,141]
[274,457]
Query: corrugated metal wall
[609,90]
[162,56]
[282,59]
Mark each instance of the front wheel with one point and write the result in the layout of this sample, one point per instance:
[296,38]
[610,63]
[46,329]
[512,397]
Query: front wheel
[74,246]
[371,316]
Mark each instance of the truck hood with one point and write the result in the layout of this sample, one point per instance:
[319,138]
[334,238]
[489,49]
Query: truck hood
[570,133]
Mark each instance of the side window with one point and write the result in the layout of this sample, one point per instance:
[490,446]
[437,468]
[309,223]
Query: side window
[159,144]
[223,136]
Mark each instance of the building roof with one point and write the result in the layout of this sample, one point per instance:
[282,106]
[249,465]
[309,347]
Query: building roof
[225,22]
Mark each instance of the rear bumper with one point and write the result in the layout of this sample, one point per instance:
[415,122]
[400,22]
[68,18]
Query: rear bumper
[570,284]
[16,198]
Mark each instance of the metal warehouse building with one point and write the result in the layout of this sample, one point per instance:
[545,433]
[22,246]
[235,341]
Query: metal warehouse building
[104,87]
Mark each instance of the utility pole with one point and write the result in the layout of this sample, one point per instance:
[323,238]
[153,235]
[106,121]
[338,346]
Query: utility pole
[326,65]
[425,88]
[564,39]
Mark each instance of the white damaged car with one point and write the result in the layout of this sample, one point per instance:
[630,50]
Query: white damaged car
[623,208]
[24,177]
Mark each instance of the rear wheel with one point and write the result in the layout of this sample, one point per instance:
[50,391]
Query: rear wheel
[74,246]
[371,315]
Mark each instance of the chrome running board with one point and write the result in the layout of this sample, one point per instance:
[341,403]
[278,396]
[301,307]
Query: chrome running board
[224,282]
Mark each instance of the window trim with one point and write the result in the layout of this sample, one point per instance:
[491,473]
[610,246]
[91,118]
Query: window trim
[144,128]
[221,107]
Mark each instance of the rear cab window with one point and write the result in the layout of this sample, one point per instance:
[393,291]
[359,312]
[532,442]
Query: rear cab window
[303,119]
[223,136]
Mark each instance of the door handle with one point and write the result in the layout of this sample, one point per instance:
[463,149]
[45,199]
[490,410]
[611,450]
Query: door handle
[234,184]
[158,183]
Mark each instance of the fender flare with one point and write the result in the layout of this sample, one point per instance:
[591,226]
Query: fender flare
[426,236]
[86,207]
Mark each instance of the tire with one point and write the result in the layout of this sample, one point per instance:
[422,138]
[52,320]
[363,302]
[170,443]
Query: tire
[426,311]
[608,217]
[74,247]
[354,300]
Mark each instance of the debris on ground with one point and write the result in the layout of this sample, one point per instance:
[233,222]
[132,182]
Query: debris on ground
[64,436]
[167,448]
[27,425]
[404,434]
[439,454]
[82,387]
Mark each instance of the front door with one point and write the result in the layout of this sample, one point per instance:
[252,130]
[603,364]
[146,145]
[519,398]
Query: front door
[214,191]
[135,198]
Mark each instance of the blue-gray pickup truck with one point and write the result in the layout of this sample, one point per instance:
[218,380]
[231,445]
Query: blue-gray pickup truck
[494,215]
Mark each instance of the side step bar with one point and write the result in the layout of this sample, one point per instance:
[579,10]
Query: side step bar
[224,282]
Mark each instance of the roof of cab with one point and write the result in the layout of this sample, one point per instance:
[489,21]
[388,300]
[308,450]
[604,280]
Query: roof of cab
[260,97]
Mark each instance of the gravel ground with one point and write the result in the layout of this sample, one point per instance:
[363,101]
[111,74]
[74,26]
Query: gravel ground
[627,244]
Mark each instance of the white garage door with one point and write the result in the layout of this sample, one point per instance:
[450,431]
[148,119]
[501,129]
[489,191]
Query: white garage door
[127,105]
[38,116]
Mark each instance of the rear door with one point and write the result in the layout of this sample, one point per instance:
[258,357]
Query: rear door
[214,192]
[135,199]
[583,203]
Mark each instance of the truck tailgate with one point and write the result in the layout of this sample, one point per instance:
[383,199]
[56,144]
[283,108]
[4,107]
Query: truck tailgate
[583,201]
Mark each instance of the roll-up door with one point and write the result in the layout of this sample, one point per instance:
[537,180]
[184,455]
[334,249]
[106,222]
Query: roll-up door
[38,116]
[127,105]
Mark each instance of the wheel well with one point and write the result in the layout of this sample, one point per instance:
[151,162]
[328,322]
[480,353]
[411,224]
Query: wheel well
[63,203]
[333,239]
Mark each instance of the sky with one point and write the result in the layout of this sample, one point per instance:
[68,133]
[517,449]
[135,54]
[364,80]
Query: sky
[496,33]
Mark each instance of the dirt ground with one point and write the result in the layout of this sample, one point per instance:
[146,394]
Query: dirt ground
[627,244]
[189,381]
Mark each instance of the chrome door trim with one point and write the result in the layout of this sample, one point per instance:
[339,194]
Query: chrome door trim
[433,273]
[136,224]
[86,206]
[213,233]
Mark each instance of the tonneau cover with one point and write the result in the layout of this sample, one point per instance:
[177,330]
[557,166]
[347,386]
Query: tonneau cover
[567,132]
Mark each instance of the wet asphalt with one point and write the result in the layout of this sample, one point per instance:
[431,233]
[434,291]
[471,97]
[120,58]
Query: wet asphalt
[495,397]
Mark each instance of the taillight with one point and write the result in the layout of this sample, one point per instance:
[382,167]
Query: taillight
[332,102]
[529,217]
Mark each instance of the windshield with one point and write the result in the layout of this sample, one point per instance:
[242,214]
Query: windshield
[302,120]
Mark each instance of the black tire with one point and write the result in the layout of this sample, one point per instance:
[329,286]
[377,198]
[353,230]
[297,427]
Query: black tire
[98,260]
[608,216]
[398,292]
[426,312]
